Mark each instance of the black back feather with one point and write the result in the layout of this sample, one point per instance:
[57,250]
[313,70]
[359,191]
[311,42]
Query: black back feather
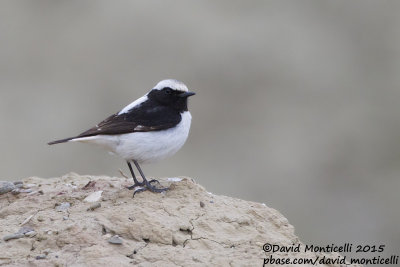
[160,111]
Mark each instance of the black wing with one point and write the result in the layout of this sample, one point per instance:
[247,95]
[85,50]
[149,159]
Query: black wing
[145,118]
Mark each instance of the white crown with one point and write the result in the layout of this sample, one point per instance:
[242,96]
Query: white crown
[173,84]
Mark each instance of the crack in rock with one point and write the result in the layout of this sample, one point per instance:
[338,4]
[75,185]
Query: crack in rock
[191,221]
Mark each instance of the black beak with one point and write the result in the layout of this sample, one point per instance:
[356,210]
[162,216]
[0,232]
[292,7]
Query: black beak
[186,94]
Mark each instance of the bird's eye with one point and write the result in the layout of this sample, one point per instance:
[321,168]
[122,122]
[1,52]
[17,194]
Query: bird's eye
[168,91]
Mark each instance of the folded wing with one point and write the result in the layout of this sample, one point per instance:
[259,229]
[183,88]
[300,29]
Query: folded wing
[142,119]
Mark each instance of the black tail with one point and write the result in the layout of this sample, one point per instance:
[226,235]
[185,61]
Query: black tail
[60,141]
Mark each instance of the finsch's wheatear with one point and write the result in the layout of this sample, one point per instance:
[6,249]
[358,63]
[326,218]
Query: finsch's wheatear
[151,128]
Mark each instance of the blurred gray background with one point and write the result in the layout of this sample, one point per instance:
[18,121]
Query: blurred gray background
[297,102]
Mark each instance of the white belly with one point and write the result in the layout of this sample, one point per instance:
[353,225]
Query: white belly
[145,147]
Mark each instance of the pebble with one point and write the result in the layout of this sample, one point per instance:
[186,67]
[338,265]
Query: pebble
[93,197]
[27,220]
[174,179]
[63,206]
[90,184]
[15,191]
[25,190]
[65,218]
[18,184]
[13,236]
[6,187]
[41,257]
[71,185]
[94,206]
[31,234]
[202,204]
[25,229]
[115,240]
[29,185]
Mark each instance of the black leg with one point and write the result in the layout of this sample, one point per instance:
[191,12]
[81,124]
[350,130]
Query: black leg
[136,182]
[147,184]
[142,174]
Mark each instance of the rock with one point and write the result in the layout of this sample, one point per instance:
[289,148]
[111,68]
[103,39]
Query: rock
[6,187]
[63,206]
[115,240]
[171,229]
[93,197]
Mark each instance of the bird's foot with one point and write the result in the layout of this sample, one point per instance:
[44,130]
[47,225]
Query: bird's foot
[141,184]
[147,186]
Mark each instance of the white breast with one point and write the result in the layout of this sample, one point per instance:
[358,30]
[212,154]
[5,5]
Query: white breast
[145,147]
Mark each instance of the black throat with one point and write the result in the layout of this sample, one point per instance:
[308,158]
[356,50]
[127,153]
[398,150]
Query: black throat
[169,98]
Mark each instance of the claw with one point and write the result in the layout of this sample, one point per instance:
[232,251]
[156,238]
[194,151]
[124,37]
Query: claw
[132,187]
[148,186]
[154,181]
[138,190]
[154,189]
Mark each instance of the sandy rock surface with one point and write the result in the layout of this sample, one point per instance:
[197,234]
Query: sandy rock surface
[52,224]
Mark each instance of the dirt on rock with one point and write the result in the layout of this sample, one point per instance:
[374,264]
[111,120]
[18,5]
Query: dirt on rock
[67,221]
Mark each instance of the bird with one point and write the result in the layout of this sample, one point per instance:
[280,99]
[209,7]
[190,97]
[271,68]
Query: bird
[151,128]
